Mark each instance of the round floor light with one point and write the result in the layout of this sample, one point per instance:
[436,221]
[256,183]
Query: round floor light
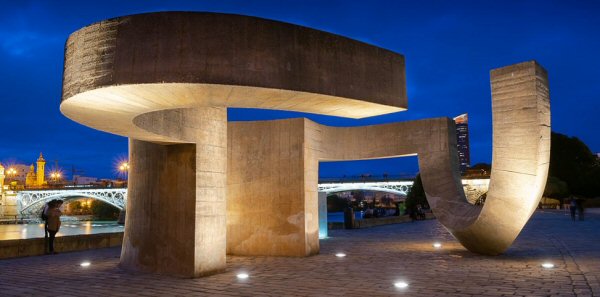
[548,265]
[242,275]
[401,285]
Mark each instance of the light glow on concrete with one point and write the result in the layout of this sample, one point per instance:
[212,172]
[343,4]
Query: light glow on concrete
[340,255]
[437,245]
[242,275]
[548,265]
[401,284]
[85,264]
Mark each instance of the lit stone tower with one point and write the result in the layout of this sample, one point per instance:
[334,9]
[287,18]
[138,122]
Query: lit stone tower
[41,163]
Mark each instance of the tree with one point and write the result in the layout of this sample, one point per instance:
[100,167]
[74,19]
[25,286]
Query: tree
[416,195]
[75,207]
[572,162]
[104,211]
[556,188]
[335,203]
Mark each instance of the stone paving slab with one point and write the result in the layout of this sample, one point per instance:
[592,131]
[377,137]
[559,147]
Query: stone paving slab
[376,259]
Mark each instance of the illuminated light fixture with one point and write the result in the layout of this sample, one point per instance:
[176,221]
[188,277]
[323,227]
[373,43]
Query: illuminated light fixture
[85,264]
[401,285]
[437,245]
[548,265]
[242,276]
[340,255]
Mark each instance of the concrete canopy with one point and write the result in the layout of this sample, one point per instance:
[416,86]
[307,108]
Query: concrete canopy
[127,66]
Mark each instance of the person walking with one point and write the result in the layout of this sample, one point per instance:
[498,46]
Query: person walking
[573,207]
[54,214]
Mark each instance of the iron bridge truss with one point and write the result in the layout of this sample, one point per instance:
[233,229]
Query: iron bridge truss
[29,201]
[394,187]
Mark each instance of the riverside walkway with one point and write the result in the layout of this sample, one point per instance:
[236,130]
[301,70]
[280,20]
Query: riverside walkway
[376,259]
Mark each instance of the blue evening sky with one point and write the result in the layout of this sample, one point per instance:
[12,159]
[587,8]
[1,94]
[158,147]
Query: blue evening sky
[449,46]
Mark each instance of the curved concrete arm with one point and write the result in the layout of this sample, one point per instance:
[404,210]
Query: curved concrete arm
[521,156]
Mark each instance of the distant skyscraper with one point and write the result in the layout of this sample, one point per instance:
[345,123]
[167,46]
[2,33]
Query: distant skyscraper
[462,141]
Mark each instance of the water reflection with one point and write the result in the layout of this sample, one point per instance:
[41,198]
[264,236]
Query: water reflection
[24,231]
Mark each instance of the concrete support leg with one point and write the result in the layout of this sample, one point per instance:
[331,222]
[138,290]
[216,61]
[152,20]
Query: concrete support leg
[175,220]
[270,212]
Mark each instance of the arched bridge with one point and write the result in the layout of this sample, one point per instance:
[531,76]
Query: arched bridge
[394,187]
[27,201]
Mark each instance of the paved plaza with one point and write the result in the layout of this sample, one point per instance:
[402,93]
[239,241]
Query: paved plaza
[376,259]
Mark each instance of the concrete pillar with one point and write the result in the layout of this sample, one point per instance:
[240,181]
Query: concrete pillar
[270,211]
[176,208]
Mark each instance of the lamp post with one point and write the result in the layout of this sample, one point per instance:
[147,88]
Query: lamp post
[124,169]
[11,172]
[55,177]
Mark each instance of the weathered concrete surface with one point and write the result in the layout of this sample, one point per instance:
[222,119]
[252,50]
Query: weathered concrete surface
[149,78]
[35,246]
[272,199]
[131,65]
[521,150]
[177,194]
[267,208]
[521,143]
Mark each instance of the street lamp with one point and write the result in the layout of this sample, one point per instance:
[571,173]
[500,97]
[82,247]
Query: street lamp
[124,169]
[11,172]
[55,176]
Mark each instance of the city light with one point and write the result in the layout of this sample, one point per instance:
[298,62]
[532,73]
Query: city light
[437,245]
[85,264]
[242,276]
[340,255]
[401,285]
[548,265]
[124,166]
[11,171]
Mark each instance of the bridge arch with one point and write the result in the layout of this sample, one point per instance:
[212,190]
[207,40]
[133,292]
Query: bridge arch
[27,200]
[393,187]
[367,188]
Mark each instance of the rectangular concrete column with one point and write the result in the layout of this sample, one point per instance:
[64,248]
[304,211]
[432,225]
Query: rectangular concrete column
[268,208]
[159,226]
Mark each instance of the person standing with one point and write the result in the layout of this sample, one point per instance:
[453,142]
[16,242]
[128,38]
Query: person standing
[54,214]
[44,218]
[573,207]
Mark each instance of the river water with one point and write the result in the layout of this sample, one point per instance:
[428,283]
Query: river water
[24,231]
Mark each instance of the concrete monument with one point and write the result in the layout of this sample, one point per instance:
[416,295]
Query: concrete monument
[200,187]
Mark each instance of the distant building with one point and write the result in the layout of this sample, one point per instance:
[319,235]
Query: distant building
[20,176]
[36,178]
[27,175]
[84,180]
[1,178]
[462,141]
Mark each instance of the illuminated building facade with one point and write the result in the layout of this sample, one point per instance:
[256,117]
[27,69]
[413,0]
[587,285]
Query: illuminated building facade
[462,141]
[1,178]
